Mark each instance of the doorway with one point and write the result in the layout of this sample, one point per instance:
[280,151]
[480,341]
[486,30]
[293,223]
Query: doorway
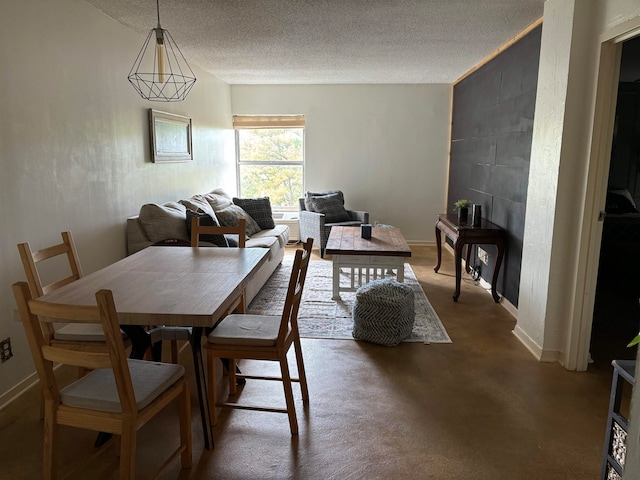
[616,312]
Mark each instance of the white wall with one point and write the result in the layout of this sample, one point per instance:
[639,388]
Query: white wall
[385,146]
[558,180]
[559,159]
[74,150]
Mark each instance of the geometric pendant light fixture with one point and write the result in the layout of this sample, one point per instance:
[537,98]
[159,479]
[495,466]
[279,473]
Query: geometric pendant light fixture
[160,72]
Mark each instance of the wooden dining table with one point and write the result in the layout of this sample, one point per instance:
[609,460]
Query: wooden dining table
[174,286]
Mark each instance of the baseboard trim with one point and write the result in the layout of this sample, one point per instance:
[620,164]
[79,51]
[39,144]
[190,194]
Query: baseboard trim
[538,352]
[19,389]
[509,307]
[421,243]
[506,304]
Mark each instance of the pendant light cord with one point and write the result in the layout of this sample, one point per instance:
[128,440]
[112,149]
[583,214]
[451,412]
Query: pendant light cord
[158,10]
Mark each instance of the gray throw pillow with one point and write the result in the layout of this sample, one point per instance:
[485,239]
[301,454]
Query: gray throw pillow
[331,206]
[230,216]
[259,209]
[206,220]
[308,195]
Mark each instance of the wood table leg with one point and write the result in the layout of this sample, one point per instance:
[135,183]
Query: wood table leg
[496,269]
[336,277]
[457,249]
[400,272]
[439,248]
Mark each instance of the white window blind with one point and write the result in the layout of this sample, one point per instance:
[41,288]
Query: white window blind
[241,122]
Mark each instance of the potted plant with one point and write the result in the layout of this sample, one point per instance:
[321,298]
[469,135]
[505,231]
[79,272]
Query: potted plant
[462,206]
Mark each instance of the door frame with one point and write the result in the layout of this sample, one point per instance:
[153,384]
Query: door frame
[579,338]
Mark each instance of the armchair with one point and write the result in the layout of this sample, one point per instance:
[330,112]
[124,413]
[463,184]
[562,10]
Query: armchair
[316,222]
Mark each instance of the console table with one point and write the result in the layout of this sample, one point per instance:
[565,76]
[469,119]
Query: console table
[464,234]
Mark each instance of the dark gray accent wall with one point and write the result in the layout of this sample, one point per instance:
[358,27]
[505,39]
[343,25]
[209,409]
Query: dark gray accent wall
[492,128]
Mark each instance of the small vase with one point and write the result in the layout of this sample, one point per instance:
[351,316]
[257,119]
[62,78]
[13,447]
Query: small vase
[463,215]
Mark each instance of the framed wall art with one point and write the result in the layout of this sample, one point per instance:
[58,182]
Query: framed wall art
[170,136]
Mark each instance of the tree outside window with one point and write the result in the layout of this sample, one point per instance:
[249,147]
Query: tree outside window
[271,163]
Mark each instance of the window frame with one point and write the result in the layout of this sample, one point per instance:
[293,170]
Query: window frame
[263,122]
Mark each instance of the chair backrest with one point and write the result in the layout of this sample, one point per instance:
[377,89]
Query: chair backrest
[34,312]
[289,321]
[30,259]
[197,230]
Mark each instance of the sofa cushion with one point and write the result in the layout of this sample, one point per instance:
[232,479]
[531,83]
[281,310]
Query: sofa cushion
[206,221]
[259,209]
[265,242]
[281,232]
[162,222]
[218,199]
[332,206]
[231,215]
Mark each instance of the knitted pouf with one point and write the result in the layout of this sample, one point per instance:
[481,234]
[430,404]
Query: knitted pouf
[383,312]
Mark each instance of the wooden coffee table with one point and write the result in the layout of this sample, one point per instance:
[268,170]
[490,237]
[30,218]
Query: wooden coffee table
[367,259]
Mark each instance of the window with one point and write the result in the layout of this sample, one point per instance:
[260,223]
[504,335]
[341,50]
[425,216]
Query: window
[270,158]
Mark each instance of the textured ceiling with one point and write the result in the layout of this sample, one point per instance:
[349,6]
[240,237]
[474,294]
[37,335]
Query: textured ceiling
[331,41]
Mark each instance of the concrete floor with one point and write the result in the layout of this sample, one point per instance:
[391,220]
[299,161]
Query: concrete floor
[479,408]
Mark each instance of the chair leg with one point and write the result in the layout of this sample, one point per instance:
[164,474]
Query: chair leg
[212,387]
[232,376]
[297,346]
[174,351]
[50,440]
[184,405]
[288,394]
[128,452]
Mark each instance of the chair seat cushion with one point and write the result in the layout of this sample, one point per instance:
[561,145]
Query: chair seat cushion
[164,332]
[97,390]
[80,332]
[241,329]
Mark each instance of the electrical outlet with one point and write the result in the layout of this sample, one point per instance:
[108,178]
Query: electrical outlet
[5,350]
[483,256]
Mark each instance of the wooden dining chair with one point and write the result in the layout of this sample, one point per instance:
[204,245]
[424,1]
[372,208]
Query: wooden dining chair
[197,230]
[117,396]
[77,336]
[261,337]
[85,336]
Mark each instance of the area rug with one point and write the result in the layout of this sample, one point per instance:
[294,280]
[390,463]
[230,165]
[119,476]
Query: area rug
[322,317]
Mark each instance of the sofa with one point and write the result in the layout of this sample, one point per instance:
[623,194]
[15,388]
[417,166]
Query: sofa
[169,224]
[319,211]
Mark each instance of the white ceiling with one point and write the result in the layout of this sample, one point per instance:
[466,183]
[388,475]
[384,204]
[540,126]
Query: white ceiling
[331,41]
